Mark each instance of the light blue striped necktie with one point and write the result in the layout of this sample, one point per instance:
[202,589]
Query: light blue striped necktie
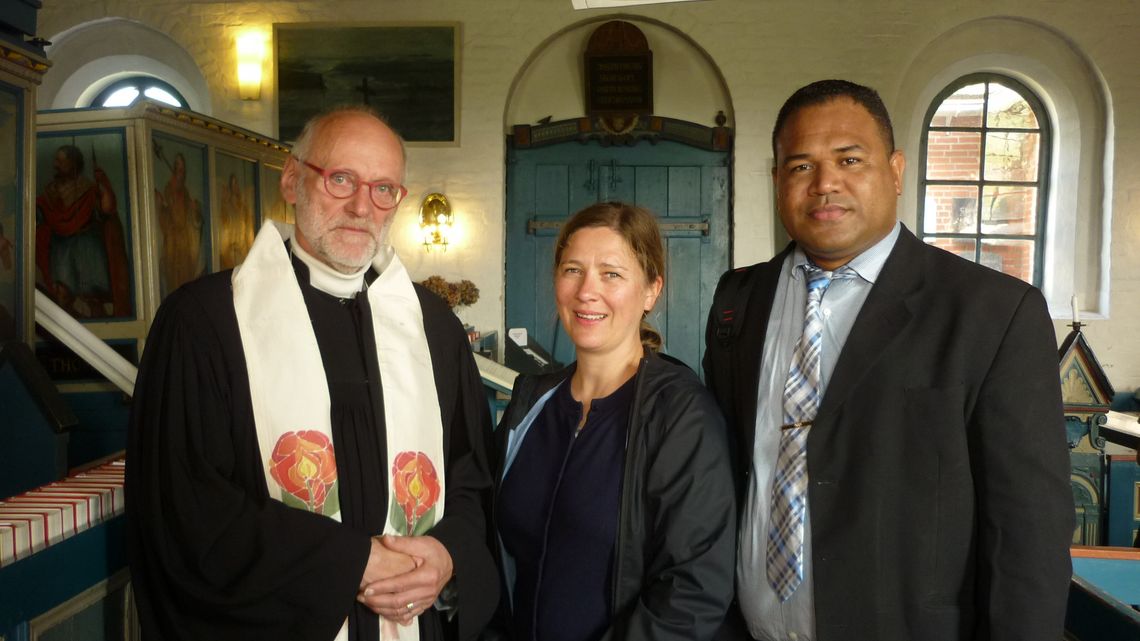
[785,560]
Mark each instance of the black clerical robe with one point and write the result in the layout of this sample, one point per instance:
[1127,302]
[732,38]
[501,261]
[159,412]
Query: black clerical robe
[211,555]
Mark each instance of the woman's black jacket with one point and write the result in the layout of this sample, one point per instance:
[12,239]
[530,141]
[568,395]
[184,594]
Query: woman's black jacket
[676,542]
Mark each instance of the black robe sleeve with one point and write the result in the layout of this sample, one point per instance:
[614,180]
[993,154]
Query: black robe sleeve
[463,530]
[211,555]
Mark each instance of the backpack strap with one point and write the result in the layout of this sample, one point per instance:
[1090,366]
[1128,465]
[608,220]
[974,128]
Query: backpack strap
[730,303]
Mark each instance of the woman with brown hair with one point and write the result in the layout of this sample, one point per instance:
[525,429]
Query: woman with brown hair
[614,502]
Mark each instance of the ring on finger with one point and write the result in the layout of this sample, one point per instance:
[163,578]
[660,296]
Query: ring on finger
[412,606]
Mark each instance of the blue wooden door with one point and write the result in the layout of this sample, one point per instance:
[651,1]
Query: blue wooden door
[686,187]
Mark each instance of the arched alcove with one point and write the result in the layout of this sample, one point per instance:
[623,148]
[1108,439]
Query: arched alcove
[675,162]
[92,55]
[1076,256]
[687,84]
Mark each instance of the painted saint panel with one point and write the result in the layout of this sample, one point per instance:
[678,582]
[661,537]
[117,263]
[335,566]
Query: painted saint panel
[83,252]
[236,179]
[273,205]
[182,211]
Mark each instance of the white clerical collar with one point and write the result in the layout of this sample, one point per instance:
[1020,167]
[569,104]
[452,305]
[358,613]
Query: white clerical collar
[327,279]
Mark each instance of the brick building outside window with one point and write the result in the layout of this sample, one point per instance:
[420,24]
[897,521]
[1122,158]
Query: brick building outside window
[983,174]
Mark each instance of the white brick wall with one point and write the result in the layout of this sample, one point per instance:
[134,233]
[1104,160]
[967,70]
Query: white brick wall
[764,51]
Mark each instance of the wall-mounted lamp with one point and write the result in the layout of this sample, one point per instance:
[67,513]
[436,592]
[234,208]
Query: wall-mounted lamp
[436,221]
[250,54]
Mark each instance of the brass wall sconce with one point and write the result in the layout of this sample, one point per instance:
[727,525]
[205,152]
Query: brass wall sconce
[436,221]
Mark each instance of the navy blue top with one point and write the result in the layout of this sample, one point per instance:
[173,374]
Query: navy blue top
[558,516]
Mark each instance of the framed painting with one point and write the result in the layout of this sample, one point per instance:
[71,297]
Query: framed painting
[273,205]
[11,221]
[236,180]
[408,73]
[84,259]
[181,210]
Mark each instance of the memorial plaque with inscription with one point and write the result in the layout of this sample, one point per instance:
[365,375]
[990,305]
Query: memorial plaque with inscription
[621,84]
[618,69]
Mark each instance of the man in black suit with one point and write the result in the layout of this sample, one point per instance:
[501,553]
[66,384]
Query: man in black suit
[937,497]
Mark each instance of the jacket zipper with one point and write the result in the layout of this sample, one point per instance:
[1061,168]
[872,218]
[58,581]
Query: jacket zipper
[627,472]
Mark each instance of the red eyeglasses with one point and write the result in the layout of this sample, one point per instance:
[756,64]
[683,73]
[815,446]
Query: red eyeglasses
[342,184]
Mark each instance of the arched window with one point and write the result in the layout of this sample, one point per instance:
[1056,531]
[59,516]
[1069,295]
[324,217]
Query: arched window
[123,93]
[983,179]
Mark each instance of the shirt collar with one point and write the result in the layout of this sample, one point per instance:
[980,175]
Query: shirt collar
[327,279]
[867,264]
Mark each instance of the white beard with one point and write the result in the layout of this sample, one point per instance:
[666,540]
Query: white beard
[317,230]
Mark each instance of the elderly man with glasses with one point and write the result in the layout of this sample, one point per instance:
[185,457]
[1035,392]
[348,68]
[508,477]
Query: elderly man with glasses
[307,444]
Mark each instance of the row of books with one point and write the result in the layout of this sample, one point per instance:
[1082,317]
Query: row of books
[39,518]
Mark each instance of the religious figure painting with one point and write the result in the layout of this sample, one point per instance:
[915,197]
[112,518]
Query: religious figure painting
[181,210]
[10,202]
[407,73]
[236,180]
[83,255]
[273,206]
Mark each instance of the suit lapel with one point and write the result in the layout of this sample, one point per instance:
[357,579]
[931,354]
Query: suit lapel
[880,322]
[750,347]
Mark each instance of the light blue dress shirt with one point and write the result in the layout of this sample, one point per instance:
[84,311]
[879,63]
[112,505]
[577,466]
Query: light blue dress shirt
[793,620]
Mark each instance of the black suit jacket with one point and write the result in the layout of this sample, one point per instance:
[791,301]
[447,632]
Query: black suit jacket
[938,468]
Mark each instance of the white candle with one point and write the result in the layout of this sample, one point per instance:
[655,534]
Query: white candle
[1076,310]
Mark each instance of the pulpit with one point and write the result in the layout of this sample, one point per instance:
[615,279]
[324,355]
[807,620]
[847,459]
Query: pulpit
[1105,477]
[1087,395]
[132,203]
